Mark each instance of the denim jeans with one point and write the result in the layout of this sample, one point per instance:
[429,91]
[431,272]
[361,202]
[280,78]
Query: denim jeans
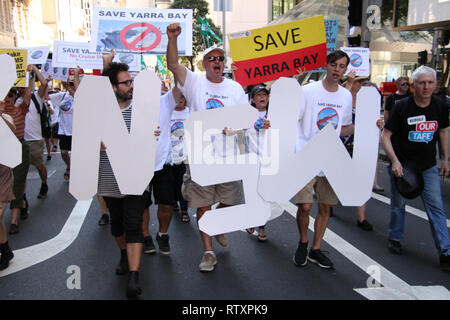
[432,200]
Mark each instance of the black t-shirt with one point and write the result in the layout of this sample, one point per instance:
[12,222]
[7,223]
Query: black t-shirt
[415,130]
[390,101]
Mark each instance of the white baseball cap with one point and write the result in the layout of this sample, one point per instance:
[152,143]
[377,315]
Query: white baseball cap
[212,48]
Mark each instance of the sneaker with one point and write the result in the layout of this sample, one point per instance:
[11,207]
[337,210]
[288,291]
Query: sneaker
[377,188]
[149,247]
[14,228]
[6,256]
[104,220]
[317,257]
[445,263]
[365,225]
[395,246]
[222,240]
[208,262]
[301,254]
[43,192]
[163,243]
[49,157]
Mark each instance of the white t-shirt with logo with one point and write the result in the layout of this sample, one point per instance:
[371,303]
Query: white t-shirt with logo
[320,107]
[64,102]
[255,136]
[202,94]
[177,135]
[164,145]
[32,120]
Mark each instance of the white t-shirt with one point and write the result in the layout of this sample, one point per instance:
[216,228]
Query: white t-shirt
[164,145]
[55,116]
[255,136]
[32,120]
[202,94]
[177,135]
[64,102]
[320,107]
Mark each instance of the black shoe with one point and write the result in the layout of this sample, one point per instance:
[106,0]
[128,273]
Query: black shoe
[365,225]
[301,254]
[7,255]
[445,263]
[14,229]
[49,157]
[43,192]
[317,257]
[24,211]
[149,247]
[122,267]
[395,247]
[163,243]
[133,288]
[104,220]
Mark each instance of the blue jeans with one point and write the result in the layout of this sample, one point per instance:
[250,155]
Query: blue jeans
[432,201]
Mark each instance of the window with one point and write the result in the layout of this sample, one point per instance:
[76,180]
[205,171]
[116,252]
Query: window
[280,7]
[5,16]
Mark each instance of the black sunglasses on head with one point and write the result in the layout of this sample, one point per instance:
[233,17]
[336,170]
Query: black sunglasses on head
[218,58]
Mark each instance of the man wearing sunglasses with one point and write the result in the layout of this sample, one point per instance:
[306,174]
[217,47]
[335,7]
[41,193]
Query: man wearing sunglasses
[203,93]
[402,92]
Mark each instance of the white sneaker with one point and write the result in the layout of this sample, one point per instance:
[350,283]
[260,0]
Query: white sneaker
[222,240]
[208,262]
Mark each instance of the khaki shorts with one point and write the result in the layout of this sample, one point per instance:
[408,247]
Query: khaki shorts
[36,152]
[230,193]
[323,190]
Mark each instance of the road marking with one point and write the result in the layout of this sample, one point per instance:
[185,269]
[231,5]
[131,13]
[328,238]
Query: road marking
[393,286]
[27,257]
[413,211]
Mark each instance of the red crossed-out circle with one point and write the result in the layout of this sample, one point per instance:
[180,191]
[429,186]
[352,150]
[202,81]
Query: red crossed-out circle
[132,44]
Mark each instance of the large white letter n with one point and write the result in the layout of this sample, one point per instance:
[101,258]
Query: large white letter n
[97,118]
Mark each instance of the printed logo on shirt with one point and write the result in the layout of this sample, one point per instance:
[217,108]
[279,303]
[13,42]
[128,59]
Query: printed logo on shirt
[66,106]
[415,120]
[424,132]
[326,116]
[177,126]
[213,104]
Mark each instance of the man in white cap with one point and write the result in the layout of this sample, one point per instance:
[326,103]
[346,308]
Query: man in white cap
[204,93]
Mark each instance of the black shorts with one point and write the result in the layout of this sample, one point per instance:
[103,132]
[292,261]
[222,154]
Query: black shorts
[55,131]
[47,133]
[65,142]
[164,184]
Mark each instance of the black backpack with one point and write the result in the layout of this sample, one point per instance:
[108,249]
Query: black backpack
[46,122]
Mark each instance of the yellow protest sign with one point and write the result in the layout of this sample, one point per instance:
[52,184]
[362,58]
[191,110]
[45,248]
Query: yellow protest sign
[20,57]
[268,53]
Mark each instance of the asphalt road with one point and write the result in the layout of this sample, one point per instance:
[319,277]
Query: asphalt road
[247,270]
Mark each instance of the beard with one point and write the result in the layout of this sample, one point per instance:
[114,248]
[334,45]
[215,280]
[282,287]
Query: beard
[124,96]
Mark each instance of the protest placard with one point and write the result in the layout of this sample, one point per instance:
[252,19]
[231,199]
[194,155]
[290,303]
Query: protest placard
[359,61]
[268,53]
[140,30]
[38,55]
[73,54]
[331,30]
[20,58]
[56,73]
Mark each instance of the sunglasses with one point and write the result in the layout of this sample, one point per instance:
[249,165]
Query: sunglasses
[218,58]
[405,84]
[126,82]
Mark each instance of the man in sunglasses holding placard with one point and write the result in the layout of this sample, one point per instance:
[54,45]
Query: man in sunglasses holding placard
[204,92]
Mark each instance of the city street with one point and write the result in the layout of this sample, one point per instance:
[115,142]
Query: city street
[62,253]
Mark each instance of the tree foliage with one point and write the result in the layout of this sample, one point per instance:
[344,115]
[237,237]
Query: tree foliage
[199,7]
